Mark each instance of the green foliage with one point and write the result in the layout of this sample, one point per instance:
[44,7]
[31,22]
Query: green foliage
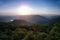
[14,31]
[54,34]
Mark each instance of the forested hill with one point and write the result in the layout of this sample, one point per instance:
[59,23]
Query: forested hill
[17,31]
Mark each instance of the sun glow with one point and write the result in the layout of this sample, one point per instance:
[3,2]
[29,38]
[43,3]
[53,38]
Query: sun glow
[24,10]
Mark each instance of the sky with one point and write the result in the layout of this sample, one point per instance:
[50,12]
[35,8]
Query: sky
[40,7]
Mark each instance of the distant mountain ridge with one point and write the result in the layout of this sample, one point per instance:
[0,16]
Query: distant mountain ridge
[20,22]
[5,18]
[35,19]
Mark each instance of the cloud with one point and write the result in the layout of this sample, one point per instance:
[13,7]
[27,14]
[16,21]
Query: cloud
[41,11]
[46,11]
[8,7]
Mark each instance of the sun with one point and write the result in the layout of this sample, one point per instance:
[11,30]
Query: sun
[24,10]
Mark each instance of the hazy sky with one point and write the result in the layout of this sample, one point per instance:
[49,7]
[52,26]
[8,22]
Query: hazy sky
[8,7]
